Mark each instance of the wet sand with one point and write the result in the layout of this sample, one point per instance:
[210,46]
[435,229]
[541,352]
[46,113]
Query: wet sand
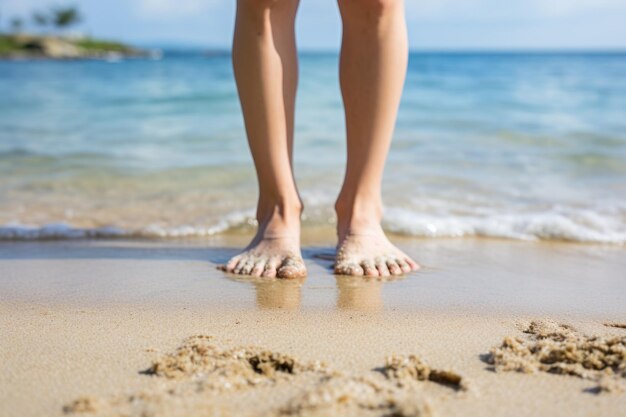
[111,328]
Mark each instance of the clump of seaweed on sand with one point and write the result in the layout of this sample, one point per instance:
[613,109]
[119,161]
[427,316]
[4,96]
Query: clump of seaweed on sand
[559,349]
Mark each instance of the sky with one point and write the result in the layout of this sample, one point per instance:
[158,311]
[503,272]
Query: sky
[433,24]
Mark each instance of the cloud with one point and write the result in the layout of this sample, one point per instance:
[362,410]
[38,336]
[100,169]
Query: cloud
[172,9]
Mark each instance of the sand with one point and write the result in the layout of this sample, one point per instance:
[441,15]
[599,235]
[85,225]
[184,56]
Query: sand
[137,328]
[559,349]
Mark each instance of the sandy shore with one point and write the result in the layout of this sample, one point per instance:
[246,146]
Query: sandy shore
[103,327]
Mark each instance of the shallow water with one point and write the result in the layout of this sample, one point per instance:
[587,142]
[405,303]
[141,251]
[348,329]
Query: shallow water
[466,276]
[522,146]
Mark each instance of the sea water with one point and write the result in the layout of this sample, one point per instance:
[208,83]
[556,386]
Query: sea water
[511,145]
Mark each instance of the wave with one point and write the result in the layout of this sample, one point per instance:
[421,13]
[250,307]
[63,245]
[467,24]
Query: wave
[555,224]
[558,224]
[18,231]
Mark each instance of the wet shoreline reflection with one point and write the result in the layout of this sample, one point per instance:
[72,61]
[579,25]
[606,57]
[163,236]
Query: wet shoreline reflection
[279,294]
[352,293]
[359,293]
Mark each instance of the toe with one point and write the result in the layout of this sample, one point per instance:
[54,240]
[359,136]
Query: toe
[406,268]
[369,269]
[247,267]
[269,270]
[231,264]
[348,268]
[414,265]
[240,264]
[341,268]
[291,268]
[382,269]
[258,268]
[394,268]
[356,270]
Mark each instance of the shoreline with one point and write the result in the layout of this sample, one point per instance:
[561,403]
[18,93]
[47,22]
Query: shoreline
[82,321]
[480,275]
[29,46]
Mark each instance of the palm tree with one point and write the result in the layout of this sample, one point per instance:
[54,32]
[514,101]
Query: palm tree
[16,24]
[40,19]
[64,17]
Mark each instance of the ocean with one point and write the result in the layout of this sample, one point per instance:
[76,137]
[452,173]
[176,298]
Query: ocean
[528,146]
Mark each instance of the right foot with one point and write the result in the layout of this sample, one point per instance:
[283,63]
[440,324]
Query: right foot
[363,248]
[275,250]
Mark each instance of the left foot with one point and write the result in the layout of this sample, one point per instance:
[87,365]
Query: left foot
[363,249]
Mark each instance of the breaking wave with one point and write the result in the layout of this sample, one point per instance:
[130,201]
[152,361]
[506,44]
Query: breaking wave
[553,224]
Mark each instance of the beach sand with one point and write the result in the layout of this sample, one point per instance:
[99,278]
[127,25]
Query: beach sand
[151,328]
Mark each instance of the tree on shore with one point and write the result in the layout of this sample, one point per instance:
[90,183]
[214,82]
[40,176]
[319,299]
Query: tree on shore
[59,17]
[17,24]
[40,19]
[64,17]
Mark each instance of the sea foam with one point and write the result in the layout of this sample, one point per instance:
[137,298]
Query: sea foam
[554,224]
[584,226]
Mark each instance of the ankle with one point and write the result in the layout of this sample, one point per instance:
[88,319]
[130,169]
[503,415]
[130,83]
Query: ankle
[279,218]
[358,215]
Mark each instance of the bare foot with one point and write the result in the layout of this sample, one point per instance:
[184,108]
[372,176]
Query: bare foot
[269,257]
[371,254]
[274,252]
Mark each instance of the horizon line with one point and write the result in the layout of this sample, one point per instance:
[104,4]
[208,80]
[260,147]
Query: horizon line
[459,50]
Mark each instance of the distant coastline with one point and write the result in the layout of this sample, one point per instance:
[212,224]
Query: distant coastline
[30,46]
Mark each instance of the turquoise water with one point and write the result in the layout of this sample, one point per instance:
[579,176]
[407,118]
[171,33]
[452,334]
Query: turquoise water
[521,146]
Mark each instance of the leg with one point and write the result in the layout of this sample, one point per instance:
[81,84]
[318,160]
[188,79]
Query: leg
[265,65]
[374,56]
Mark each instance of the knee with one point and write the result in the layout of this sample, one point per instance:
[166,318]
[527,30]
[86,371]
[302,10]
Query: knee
[259,13]
[380,7]
[260,5]
[369,9]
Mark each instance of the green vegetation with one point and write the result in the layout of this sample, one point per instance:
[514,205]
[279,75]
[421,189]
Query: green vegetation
[8,45]
[95,45]
[64,17]
[37,46]
[45,38]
